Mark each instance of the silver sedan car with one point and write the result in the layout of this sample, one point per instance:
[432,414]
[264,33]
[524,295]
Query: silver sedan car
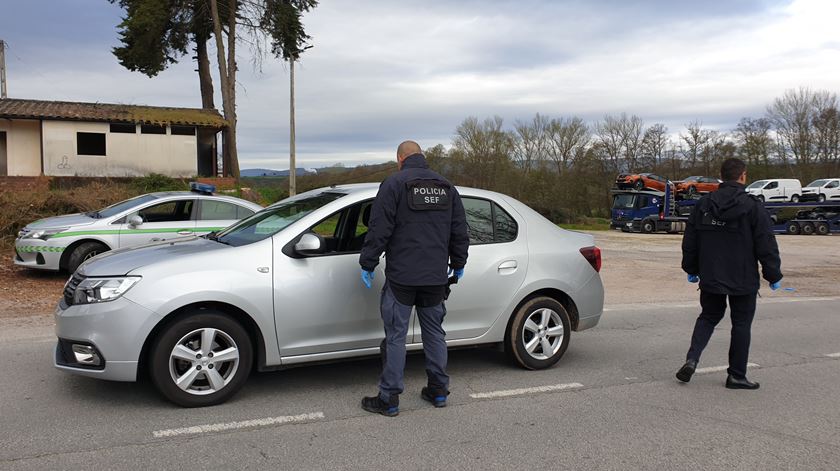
[281,288]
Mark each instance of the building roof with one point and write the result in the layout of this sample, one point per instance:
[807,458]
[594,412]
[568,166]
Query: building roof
[13,108]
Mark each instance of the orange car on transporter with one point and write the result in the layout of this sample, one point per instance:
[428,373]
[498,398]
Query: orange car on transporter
[640,181]
[693,185]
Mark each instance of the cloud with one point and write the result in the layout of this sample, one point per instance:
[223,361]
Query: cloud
[384,71]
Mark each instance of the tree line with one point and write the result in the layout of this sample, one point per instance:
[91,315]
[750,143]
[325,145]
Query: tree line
[564,167]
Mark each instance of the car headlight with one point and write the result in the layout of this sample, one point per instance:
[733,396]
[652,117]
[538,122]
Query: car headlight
[42,234]
[101,290]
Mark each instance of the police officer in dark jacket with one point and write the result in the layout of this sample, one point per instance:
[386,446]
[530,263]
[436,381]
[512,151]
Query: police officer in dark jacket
[727,235]
[418,220]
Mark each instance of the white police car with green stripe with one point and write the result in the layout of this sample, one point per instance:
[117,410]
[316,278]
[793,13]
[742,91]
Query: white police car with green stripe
[64,242]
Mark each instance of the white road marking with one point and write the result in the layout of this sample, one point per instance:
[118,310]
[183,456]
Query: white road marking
[521,391]
[287,419]
[833,355]
[714,369]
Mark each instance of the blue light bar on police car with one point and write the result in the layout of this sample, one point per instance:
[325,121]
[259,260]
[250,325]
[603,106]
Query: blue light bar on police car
[204,188]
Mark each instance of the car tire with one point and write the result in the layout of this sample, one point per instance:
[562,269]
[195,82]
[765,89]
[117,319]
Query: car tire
[692,190]
[648,226]
[761,198]
[171,359]
[639,184]
[539,333]
[82,252]
[792,228]
[822,228]
[821,199]
[794,199]
[807,228]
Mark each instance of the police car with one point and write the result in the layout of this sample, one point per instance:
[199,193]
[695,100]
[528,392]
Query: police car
[64,242]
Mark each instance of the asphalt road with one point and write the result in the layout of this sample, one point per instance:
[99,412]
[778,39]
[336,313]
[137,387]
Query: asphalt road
[615,405]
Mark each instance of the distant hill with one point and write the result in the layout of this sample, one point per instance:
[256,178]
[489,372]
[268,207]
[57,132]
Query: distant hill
[266,172]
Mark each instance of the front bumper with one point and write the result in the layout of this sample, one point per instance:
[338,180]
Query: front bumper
[116,329]
[38,254]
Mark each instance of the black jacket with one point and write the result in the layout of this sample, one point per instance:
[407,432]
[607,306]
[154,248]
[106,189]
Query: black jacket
[418,220]
[728,233]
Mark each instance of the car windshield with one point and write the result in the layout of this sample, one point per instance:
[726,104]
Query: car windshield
[692,179]
[118,208]
[818,183]
[758,184]
[272,220]
[624,201]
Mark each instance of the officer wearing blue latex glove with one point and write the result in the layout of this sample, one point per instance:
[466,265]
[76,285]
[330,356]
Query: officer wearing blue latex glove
[727,236]
[418,220]
[459,272]
[367,277]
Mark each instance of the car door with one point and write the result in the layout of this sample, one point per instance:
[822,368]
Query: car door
[214,215]
[160,221]
[496,268]
[832,190]
[772,192]
[322,306]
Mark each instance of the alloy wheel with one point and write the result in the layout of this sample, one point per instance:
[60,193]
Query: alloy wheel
[204,361]
[543,333]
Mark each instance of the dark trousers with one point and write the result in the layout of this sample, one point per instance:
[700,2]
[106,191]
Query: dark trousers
[396,318]
[742,311]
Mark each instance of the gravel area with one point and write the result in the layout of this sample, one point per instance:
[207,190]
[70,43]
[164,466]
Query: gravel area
[637,268]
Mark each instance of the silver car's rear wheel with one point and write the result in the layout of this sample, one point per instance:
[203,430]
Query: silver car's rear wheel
[201,359]
[543,333]
[539,333]
[204,361]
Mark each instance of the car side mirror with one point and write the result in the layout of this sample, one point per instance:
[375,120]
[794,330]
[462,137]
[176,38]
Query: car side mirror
[310,244]
[135,220]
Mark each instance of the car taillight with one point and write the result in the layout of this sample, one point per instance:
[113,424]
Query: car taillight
[593,256]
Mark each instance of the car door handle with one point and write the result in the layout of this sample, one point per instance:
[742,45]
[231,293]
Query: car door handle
[185,232]
[507,267]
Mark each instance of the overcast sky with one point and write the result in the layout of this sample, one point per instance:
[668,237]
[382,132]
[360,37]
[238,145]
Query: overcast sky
[383,71]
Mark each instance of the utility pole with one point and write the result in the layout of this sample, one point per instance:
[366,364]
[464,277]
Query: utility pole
[292,166]
[3,93]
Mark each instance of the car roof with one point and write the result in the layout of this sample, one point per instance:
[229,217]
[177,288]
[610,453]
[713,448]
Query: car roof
[177,194]
[358,188]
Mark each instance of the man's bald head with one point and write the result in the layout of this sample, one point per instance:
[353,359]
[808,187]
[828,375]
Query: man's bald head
[407,148]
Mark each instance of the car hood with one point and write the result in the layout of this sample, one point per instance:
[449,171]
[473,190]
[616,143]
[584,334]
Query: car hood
[67,220]
[124,261]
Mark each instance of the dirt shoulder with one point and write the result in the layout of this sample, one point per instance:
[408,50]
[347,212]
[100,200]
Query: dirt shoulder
[637,268]
[644,268]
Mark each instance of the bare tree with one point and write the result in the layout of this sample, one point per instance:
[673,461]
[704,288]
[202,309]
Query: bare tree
[695,139]
[826,122]
[568,140]
[619,141]
[754,140]
[791,116]
[531,142]
[485,146]
[654,143]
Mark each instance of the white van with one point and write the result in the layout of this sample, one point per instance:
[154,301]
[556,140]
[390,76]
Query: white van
[824,189]
[776,190]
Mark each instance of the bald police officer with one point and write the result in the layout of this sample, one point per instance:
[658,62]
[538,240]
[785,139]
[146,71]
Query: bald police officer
[418,220]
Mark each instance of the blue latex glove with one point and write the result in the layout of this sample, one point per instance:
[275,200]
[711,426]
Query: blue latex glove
[776,285]
[693,278]
[459,272]
[367,277]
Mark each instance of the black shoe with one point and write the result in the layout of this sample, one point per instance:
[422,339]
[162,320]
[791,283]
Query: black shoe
[687,370]
[435,396]
[742,383]
[378,406]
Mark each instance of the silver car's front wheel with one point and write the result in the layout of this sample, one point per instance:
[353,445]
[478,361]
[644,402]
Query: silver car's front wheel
[201,359]
[539,333]
[204,361]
